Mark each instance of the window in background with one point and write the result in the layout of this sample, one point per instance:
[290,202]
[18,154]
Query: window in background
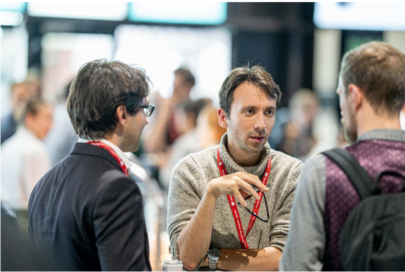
[351,38]
[64,53]
[11,13]
[14,61]
[200,13]
[161,50]
[115,11]
[364,15]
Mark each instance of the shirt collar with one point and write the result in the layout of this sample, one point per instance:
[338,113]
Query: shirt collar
[117,150]
[383,134]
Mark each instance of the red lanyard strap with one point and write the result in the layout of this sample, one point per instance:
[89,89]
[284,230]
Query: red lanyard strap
[113,153]
[232,203]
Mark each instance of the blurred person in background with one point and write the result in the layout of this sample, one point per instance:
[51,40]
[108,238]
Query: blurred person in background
[209,132]
[298,134]
[62,136]
[402,118]
[19,94]
[185,122]
[371,94]
[25,158]
[162,132]
[204,232]
[86,212]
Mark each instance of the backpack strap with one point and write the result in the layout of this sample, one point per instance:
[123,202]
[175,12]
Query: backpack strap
[353,170]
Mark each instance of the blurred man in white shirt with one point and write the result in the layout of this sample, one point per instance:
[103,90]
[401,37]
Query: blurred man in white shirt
[25,158]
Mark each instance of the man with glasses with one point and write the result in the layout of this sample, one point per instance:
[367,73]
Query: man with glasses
[216,195]
[86,213]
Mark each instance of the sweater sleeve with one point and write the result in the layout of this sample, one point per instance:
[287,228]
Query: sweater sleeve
[281,222]
[183,200]
[306,240]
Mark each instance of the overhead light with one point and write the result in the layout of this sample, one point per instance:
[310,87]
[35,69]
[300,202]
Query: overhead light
[10,18]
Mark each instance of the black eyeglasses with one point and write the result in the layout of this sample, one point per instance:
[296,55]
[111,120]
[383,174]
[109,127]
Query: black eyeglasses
[148,109]
[252,213]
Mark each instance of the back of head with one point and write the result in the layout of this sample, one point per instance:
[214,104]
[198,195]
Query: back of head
[379,70]
[302,98]
[19,93]
[32,107]
[255,75]
[37,117]
[192,108]
[186,75]
[99,88]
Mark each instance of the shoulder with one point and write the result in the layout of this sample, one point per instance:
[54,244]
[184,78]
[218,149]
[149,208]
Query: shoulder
[195,170]
[200,160]
[118,182]
[283,162]
[313,173]
[35,147]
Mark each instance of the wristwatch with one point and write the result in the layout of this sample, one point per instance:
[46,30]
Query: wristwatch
[213,257]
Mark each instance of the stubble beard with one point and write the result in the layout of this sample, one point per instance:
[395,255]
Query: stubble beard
[350,133]
[243,144]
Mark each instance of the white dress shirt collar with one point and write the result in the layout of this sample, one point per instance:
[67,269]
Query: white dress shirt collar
[117,150]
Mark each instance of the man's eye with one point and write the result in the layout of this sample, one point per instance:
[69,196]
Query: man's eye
[270,112]
[249,112]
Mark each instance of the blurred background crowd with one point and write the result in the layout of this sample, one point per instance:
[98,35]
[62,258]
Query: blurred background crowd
[187,49]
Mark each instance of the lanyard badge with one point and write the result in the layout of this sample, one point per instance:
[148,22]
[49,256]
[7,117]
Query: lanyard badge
[113,153]
[232,202]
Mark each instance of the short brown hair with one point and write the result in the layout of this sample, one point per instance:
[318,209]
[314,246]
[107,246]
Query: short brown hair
[99,88]
[255,75]
[379,70]
[186,74]
[32,106]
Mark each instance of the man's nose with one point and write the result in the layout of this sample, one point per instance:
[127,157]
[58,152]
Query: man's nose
[260,123]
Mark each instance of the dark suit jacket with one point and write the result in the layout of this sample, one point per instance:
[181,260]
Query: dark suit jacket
[8,127]
[17,251]
[88,215]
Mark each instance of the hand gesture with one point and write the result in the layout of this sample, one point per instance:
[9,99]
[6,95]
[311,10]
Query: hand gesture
[238,184]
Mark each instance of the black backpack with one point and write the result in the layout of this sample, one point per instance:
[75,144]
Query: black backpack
[373,235]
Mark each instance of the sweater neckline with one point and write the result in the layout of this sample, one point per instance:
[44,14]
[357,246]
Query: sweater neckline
[232,167]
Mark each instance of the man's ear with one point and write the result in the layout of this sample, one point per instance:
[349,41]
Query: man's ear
[357,95]
[222,118]
[122,115]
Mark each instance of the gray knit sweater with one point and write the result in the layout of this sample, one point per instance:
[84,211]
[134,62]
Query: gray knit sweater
[190,178]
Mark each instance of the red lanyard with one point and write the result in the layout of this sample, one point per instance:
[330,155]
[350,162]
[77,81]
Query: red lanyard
[113,153]
[232,203]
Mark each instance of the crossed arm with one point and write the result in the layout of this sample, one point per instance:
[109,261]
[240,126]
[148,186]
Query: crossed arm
[194,240]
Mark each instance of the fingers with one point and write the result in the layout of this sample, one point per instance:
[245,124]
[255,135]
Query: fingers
[252,179]
[238,195]
[247,187]
[244,194]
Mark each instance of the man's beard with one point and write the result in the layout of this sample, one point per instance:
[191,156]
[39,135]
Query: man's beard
[350,133]
[245,146]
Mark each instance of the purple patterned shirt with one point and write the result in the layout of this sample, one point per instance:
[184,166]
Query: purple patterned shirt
[324,198]
[375,156]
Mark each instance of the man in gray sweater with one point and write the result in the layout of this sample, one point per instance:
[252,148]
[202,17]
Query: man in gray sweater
[217,194]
